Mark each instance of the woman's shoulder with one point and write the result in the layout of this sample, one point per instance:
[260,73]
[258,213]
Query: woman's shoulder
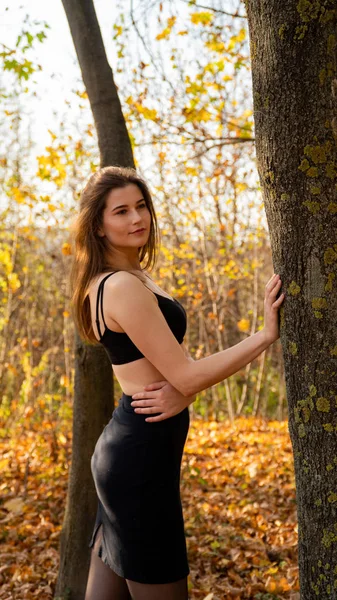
[94,283]
[96,280]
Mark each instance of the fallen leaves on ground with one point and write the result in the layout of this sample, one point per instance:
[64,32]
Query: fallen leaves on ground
[238,496]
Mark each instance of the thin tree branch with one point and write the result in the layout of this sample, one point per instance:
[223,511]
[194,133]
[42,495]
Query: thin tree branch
[216,10]
[146,47]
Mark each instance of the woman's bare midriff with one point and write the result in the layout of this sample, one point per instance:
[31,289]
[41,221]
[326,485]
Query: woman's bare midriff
[133,376]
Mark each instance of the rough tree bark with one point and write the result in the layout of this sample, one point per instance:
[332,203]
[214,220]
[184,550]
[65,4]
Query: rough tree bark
[294,56]
[93,395]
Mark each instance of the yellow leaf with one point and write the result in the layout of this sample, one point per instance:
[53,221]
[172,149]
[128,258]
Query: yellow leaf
[62,438]
[18,195]
[203,18]
[14,282]
[166,32]
[243,325]
[14,505]
[64,380]
[66,249]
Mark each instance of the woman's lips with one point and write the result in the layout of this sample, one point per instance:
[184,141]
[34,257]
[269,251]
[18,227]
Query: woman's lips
[139,231]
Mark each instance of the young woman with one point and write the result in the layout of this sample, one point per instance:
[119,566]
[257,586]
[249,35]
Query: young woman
[138,542]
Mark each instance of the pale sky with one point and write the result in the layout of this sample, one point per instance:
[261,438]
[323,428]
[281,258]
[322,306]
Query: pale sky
[60,71]
[60,75]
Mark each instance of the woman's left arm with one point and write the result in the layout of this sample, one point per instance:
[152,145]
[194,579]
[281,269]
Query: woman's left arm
[161,397]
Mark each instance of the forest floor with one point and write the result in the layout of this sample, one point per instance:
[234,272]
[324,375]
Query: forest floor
[239,504]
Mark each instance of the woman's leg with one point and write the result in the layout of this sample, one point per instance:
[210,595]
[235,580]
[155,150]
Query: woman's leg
[103,583]
[158,591]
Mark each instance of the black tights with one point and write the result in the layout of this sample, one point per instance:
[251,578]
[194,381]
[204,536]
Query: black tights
[104,584]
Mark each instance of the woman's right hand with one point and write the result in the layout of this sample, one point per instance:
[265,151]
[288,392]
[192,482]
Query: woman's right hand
[271,306]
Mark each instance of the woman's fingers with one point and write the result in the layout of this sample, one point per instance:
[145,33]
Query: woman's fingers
[161,417]
[279,300]
[276,287]
[141,395]
[271,280]
[148,410]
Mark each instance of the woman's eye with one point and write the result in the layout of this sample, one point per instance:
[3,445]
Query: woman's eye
[124,210]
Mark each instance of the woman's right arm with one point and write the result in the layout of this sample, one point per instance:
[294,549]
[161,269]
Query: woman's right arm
[141,318]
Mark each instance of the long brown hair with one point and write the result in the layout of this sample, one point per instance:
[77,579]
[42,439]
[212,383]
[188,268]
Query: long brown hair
[90,256]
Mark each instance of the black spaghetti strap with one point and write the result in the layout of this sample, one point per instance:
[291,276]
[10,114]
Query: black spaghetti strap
[100,297]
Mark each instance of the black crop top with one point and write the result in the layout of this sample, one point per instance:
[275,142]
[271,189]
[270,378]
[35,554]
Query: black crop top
[118,345]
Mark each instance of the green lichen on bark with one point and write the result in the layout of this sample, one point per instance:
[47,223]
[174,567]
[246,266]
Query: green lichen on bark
[313,207]
[331,44]
[333,351]
[304,166]
[332,208]
[303,409]
[329,537]
[319,303]
[330,170]
[329,285]
[312,390]
[330,256]
[318,161]
[309,10]
[329,428]
[315,190]
[285,197]
[323,404]
[282,30]
[282,321]
[301,431]
[300,32]
[293,348]
[293,288]
[332,498]
[318,153]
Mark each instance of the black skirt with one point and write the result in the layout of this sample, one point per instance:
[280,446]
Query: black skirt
[136,470]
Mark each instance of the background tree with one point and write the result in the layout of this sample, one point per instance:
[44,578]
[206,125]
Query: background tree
[93,391]
[294,59]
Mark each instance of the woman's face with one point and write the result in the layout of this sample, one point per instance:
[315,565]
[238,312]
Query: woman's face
[126,211]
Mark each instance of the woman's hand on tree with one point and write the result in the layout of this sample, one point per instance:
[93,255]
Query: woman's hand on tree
[271,307]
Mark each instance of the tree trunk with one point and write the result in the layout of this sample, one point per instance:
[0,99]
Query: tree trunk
[113,138]
[294,56]
[93,406]
[93,395]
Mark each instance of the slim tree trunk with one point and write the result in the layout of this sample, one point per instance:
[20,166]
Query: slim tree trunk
[294,55]
[93,396]
[113,138]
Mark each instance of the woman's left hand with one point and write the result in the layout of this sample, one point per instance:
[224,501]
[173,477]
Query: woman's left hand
[160,397]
